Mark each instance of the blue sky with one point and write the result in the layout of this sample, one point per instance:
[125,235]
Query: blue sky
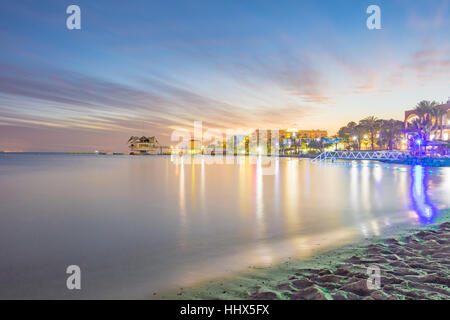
[153,66]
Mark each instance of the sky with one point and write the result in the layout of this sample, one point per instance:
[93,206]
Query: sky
[145,67]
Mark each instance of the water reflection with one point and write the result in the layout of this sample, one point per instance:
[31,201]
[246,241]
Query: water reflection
[420,201]
[153,224]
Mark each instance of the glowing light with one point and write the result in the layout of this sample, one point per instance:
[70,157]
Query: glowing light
[366,137]
[355,138]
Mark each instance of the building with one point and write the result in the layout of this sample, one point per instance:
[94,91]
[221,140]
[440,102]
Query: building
[441,130]
[143,145]
[305,134]
[266,142]
[294,141]
[195,146]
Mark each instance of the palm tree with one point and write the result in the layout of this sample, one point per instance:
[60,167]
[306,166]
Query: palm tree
[352,134]
[422,127]
[345,133]
[358,133]
[424,108]
[438,115]
[391,131]
[371,124]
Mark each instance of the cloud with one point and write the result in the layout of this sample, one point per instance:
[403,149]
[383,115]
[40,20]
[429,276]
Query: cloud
[61,98]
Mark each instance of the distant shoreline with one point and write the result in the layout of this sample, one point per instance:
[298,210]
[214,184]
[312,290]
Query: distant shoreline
[426,161]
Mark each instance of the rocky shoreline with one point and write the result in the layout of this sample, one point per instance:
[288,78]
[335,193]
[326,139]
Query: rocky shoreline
[413,265]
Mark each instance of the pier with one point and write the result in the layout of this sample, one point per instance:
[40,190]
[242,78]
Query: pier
[362,155]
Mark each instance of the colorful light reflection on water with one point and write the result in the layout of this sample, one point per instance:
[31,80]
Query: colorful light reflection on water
[150,223]
[420,201]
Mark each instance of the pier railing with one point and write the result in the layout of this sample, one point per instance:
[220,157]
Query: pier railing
[362,155]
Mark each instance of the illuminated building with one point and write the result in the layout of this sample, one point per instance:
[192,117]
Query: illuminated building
[435,134]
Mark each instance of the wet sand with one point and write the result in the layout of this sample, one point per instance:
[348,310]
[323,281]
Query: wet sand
[413,265]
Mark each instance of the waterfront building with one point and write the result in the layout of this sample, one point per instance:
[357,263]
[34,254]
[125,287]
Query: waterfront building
[294,141]
[260,141]
[441,125]
[143,145]
[306,134]
[195,146]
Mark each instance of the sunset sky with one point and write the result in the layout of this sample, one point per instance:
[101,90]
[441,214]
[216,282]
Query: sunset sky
[148,67]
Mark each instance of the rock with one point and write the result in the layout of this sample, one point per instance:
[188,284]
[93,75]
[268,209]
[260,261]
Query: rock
[302,272]
[264,296]
[441,256]
[430,237]
[388,288]
[359,288]
[373,249]
[330,286]
[330,278]
[354,259]
[411,239]
[422,234]
[311,293]
[393,257]
[342,272]
[435,279]
[302,284]
[352,296]
[283,286]
[339,296]
[401,251]
[391,280]
[398,264]
[427,252]
[444,226]
[429,288]
[377,295]
[324,272]
[404,272]
[391,241]
[416,246]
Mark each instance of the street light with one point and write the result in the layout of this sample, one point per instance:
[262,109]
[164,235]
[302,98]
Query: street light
[418,141]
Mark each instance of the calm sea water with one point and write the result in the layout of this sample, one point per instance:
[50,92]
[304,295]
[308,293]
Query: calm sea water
[138,225]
